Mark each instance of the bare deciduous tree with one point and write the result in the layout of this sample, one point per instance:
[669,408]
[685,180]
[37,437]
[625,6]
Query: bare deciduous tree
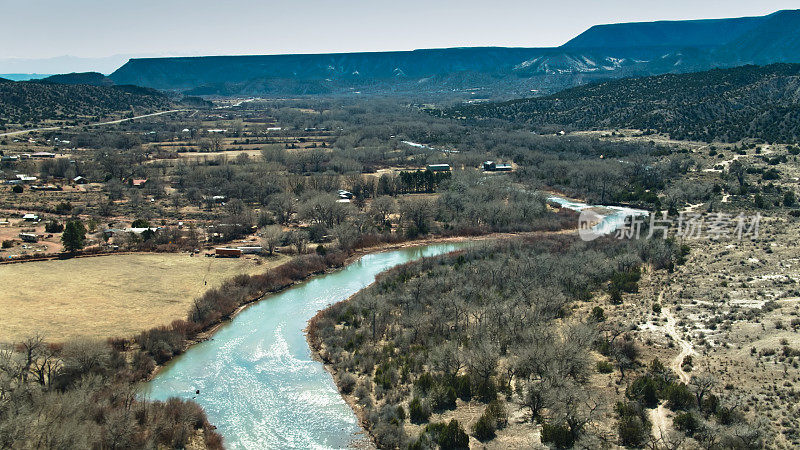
[271,236]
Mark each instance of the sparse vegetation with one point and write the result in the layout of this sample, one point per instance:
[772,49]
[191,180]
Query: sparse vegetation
[442,302]
[719,105]
[81,395]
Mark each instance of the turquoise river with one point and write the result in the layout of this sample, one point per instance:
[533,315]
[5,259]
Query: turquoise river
[257,380]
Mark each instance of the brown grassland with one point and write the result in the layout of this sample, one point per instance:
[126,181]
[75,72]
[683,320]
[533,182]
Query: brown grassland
[106,296]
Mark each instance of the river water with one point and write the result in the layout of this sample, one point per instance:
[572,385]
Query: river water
[606,221]
[257,381]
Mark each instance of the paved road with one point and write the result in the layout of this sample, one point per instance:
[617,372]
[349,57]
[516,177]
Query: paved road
[14,133]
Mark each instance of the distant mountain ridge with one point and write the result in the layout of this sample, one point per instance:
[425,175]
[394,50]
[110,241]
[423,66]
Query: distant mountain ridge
[23,76]
[602,52]
[87,78]
[161,72]
[674,33]
[776,39]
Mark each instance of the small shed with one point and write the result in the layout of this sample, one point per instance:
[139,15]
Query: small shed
[491,166]
[439,167]
[138,182]
[30,217]
[140,230]
[111,232]
[80,180]
[26,178]
[29,237]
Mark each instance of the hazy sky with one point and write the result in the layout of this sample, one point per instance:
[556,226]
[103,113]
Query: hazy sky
[97,28]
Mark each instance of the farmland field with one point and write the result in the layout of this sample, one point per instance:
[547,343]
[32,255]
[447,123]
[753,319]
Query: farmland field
[107,296]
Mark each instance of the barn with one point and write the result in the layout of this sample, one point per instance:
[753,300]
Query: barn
[227,252]
[439,167]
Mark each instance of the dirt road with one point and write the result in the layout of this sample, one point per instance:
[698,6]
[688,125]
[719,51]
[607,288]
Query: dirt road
[767,149]
[15,133]
[658,416]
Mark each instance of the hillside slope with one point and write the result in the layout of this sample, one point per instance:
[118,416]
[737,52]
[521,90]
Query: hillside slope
[777,39]
[721,104]
[90,78]
[32,102]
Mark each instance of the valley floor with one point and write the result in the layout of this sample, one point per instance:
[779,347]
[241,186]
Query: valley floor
[734,310]
[110,296]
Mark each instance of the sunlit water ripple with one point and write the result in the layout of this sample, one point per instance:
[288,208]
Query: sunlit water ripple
[257,381]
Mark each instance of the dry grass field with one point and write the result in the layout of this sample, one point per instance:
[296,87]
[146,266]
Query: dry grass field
[107,296]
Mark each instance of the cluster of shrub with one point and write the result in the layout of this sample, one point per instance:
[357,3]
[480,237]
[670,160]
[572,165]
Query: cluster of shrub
[701,415]
[626,280]
[450,436]
[82,394]
[469,326]
[748,180]
[439,392]
[421,180]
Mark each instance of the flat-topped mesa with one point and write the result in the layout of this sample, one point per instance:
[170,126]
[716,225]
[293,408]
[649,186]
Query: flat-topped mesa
[602,52]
